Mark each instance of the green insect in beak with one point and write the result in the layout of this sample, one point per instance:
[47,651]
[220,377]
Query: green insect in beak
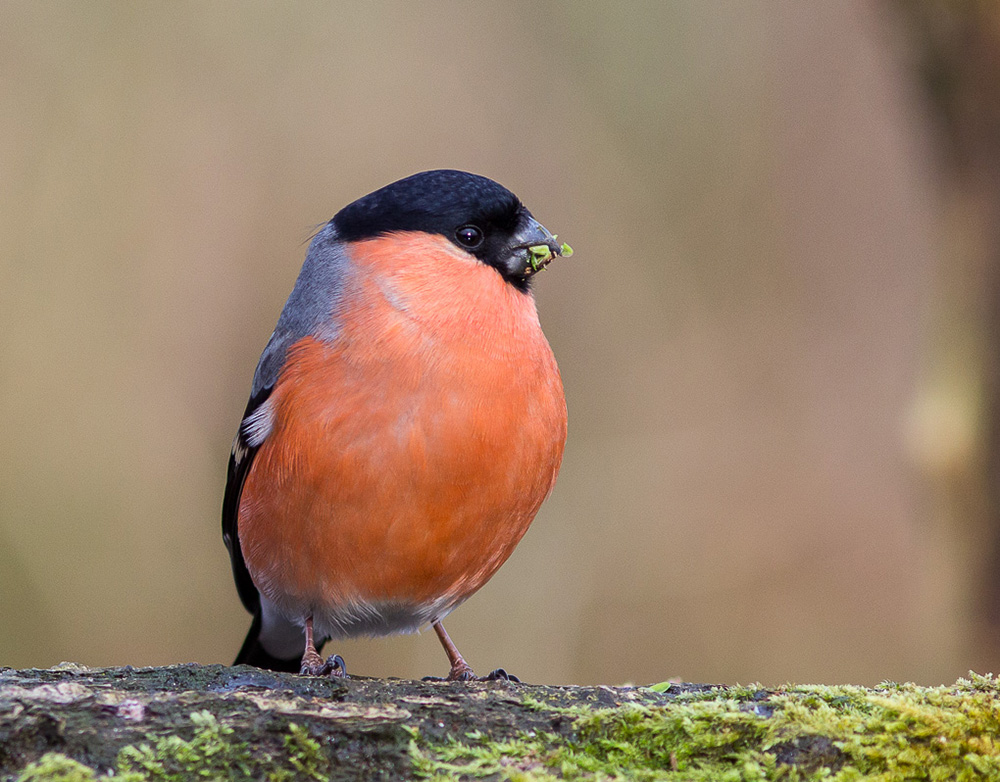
[540,255]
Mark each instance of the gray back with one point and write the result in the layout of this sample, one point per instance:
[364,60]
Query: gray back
[310,308]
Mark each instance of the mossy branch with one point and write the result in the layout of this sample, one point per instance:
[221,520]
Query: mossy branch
[211,722]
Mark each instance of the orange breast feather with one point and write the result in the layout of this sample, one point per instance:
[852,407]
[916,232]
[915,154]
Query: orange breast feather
[409,455]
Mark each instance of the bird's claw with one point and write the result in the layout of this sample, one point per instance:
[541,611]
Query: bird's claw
[333,666]
[500,675]
[336,667]
[464,673]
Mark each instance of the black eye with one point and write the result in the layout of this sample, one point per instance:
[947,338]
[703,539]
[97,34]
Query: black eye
[469,236]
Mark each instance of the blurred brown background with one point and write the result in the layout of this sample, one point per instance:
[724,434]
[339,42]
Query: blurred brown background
[776,335]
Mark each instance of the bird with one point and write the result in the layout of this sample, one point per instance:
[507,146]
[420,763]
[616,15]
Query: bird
[406,421]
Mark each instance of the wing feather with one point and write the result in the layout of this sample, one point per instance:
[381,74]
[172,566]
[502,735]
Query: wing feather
[309,311]
[240,459]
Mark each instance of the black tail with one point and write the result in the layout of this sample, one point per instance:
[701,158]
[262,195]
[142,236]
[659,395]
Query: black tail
[253,653]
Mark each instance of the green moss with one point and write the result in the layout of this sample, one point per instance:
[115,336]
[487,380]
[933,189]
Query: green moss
[55,767]
[894,732]
[212,753]
[305,754]
[889,733]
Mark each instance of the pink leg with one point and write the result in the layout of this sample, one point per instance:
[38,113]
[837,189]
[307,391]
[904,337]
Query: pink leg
[460,669]
[313,664]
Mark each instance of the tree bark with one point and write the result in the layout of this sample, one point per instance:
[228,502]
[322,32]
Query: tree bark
[212,722]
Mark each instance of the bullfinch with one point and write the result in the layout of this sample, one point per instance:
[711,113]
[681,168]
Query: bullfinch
[406,421]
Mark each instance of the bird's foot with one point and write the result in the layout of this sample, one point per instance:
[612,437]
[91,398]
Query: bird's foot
[314,665]
[499,675]
[461,671]
[464,673]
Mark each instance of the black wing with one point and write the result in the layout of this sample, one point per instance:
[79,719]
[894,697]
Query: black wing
[240,459]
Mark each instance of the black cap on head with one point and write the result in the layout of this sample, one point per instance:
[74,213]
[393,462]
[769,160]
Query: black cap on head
[475,213]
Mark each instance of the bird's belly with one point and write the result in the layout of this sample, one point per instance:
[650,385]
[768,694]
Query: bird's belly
[392,491]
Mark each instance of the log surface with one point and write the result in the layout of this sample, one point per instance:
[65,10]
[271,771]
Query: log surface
[79,724]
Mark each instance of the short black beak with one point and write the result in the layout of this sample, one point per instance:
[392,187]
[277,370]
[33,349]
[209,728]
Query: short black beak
[528,253]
